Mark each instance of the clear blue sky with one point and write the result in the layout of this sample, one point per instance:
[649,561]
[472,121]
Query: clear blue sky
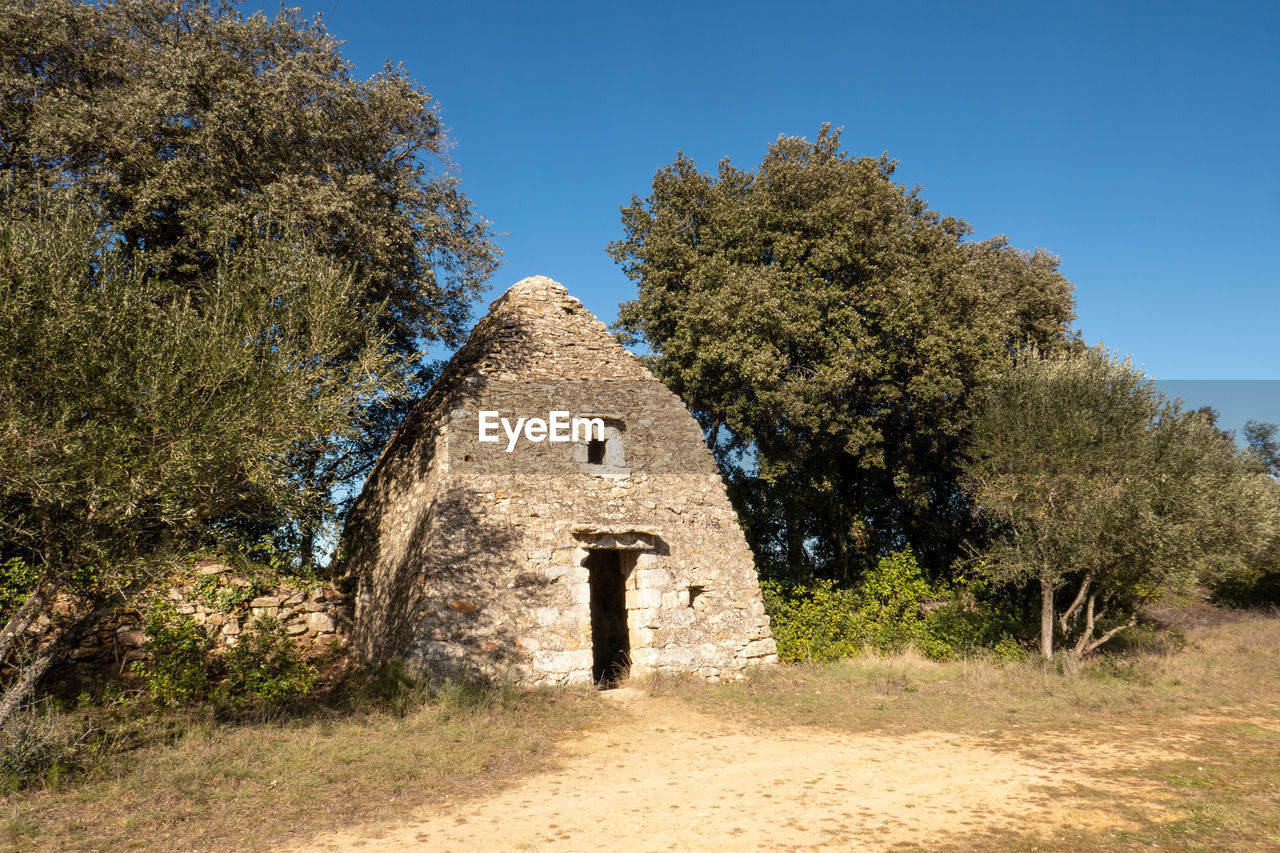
[1140,142]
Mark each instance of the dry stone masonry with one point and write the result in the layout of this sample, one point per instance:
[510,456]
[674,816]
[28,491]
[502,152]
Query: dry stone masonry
[224,601]
[552,561]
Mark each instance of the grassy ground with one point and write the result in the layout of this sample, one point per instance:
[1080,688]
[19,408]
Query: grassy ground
[1177,749]
[1182,747]
[252,786]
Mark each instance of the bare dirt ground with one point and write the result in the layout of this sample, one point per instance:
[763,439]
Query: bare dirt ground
[668,778]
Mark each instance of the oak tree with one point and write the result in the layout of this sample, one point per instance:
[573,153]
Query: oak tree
[828,329]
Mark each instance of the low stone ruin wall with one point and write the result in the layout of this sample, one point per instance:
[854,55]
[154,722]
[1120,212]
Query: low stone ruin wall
[216,596]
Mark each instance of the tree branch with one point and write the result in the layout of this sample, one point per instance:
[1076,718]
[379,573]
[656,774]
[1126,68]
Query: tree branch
[1069,614]
[30,677]
[1107,636]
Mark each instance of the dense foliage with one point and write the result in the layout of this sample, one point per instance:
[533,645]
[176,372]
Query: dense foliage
[222,255]
[184,666]
[188,129]
[829,330]
[871,380]
[137,417]
[892,608]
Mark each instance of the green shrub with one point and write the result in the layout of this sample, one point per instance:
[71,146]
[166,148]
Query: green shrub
[812,623]
[980,620]
[177,669]
[265,664]
[893,607]
[17,580]
[1242,586]
[892,613]
[233,597]
[207,586]
[1009,650]
[185,667]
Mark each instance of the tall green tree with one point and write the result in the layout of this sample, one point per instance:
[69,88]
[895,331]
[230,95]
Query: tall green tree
[828,330]
[190,128]
[1106,495]
[135,414]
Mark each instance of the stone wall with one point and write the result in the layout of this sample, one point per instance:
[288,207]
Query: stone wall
[318,619]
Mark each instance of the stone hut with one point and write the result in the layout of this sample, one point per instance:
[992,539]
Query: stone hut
[549,512]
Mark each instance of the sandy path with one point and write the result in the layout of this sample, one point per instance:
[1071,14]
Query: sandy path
[670,779]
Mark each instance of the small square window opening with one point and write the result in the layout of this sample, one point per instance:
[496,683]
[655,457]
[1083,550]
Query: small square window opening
[595,451]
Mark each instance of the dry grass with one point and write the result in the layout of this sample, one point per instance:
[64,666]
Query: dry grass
[1200,729]
[1232,664]
[1177,750]
[221,786]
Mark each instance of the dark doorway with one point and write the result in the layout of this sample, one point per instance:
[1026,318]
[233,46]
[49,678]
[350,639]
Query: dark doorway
[610,642]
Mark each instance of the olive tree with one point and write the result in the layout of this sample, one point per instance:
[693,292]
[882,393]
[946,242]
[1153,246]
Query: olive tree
[1105,493]
[135,412]
[188,128]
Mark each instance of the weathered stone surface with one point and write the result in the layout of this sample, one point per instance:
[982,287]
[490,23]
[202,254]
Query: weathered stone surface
[120,637]
[477,560]
[130,637]
[321,623]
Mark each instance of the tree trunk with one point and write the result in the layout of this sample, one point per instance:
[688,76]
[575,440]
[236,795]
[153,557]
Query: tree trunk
[307,546]
[28,678]
[1068,616]
[1046,617]
[27,613]
[842,552]
[307,526]
[1107,636]
[713,435]
[1086,635]
[795,542]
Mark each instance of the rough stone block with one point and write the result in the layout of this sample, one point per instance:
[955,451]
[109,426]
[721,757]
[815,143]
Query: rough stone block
[654,578]
[130,637]
[759,648]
